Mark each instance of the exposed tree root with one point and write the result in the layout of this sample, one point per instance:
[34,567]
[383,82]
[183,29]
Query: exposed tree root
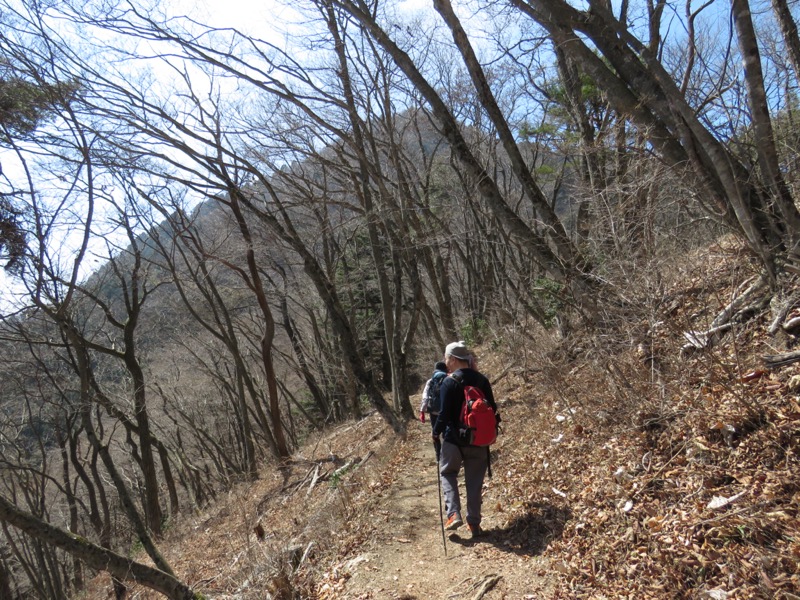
[485,585]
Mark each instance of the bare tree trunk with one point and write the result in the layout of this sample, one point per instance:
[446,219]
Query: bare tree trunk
[95,556]
[5,580]
[166,469]
[789,32]
[391,303]
[538,249]
[96,497]
[641,87]
[220,325]
[305,370]
[788,221]
[339,320]
[655,11]
[84,372]
[268,335]
[77,569]
[566,252]
[152,508]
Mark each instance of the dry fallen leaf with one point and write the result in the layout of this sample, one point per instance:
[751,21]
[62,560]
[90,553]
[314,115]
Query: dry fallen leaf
[718,502]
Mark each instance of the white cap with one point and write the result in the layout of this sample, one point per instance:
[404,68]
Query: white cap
[457,350]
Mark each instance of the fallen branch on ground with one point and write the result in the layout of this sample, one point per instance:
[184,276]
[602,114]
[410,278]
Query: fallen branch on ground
[485,585]
[781,360]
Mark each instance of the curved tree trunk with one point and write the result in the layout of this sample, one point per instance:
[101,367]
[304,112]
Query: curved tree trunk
[69,492]
[641,87]
[84,371]
[327,291]
[152,505]
[221,326]
[268,335]
[311,382]
[95,556]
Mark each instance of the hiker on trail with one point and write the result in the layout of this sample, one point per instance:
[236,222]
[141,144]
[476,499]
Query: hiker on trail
[431,400]
[430,395]
[456,450]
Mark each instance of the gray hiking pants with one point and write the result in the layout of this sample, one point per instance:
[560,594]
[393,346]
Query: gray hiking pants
[475,461]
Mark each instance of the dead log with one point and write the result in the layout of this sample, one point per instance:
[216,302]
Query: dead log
[744,306]
[343,469]
[700,340]
[314,480]
[293,486]
[782,314]
[773,361]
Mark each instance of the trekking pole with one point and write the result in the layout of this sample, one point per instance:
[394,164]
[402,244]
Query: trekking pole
[437,449]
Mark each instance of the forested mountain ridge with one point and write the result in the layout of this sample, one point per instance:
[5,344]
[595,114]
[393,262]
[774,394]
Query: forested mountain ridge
[538,178]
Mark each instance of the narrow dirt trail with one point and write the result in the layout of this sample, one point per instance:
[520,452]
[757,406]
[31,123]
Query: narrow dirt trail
[405,558]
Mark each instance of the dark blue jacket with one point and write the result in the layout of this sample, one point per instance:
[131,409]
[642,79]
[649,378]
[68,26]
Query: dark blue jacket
[452,397]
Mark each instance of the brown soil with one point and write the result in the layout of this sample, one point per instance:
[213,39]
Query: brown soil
[405,557]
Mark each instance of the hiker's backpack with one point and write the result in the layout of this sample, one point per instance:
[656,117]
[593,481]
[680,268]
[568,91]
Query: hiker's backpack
[433,400]
[478,421]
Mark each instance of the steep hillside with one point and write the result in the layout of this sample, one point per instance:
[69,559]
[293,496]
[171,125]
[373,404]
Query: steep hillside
[631,465]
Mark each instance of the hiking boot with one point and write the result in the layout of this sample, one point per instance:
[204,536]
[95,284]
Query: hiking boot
[453,522]
[475,530]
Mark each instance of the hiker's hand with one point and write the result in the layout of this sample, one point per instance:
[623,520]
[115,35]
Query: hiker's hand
[435,439]
[422,416]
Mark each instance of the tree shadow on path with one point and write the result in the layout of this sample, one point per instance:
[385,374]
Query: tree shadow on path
[525,535]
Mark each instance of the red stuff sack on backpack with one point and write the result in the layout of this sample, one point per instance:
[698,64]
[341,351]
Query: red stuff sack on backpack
[478,421]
